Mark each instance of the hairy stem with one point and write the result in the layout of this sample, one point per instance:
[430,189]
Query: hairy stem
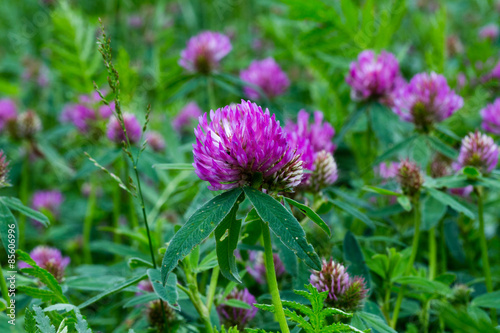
[414,249]
[484,248]
[271,278]
[432,253]
[212,287]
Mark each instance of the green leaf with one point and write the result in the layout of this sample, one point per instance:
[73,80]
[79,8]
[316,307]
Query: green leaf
[7,220]
[455,181]
[432,212]
[452,238]
[167,292]
[45,277]
[42,294]
[236,303]
[310,214]
[395,149]
[81,325]
[16,204]
[488,300]
[42,321]
[139,262]
[112,290]
[471,172]
[173,166]
[227,234]
[29,321]
[284,225]
[431,287]
[375,322]
[442,147]
[450,201]
[354,255]
[199,226]
[354,212]
[380,190]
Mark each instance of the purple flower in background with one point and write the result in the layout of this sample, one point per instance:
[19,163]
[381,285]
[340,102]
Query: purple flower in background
[204,52]
[373,76]
[8,111]
[231,316]
[387,171]
[344,292]
[50,259]
[310,138]
[145,286]
[242,143]
[185,117]
[155,141]
[135,21]
[491,117]
[4,170]
[48,200]
[478,150]
[267,75]
[85,114]
[489,32]
[495,73]
[115,131]
[426,100]
[257,269]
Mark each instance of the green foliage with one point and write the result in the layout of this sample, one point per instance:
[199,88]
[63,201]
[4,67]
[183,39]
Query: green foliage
[314,318]
[233,329]
[42,321]
[284,225]
[55,294]
[73,49]
[199,226]
[310,214]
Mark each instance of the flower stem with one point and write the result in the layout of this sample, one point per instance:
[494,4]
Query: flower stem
[432,253]
[23,196]
[414,249]
[369,135]
[87,224]
[212,287]
[3,288]
[194,295]
[210,93]
[271,278]
[132,213]
[442,247]
[484,249]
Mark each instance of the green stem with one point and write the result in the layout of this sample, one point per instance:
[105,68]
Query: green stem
[387,303]
[442,247]
[194,296]
[432,253]
[131,205]
[425,315]
[414,249]
[23,196]
[212,287]
[484,249]
[117,194]
[3,288]
[369,135]
[271,278]
[87,224]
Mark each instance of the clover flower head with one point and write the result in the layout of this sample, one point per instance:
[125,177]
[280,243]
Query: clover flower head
[49,200]
[4,170]
[243,143]
[155,141]
[204,52]
[325,171]
[426,100]
[478,150]
[257,268]
[48,258]
[491,117]
[386,170]
[28,125]
[268,76]
[410,177]
[115,131]
[85,114]
[489,32]
[8,112]
[372,76]
[239,317]
[183,120]
[344,292]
